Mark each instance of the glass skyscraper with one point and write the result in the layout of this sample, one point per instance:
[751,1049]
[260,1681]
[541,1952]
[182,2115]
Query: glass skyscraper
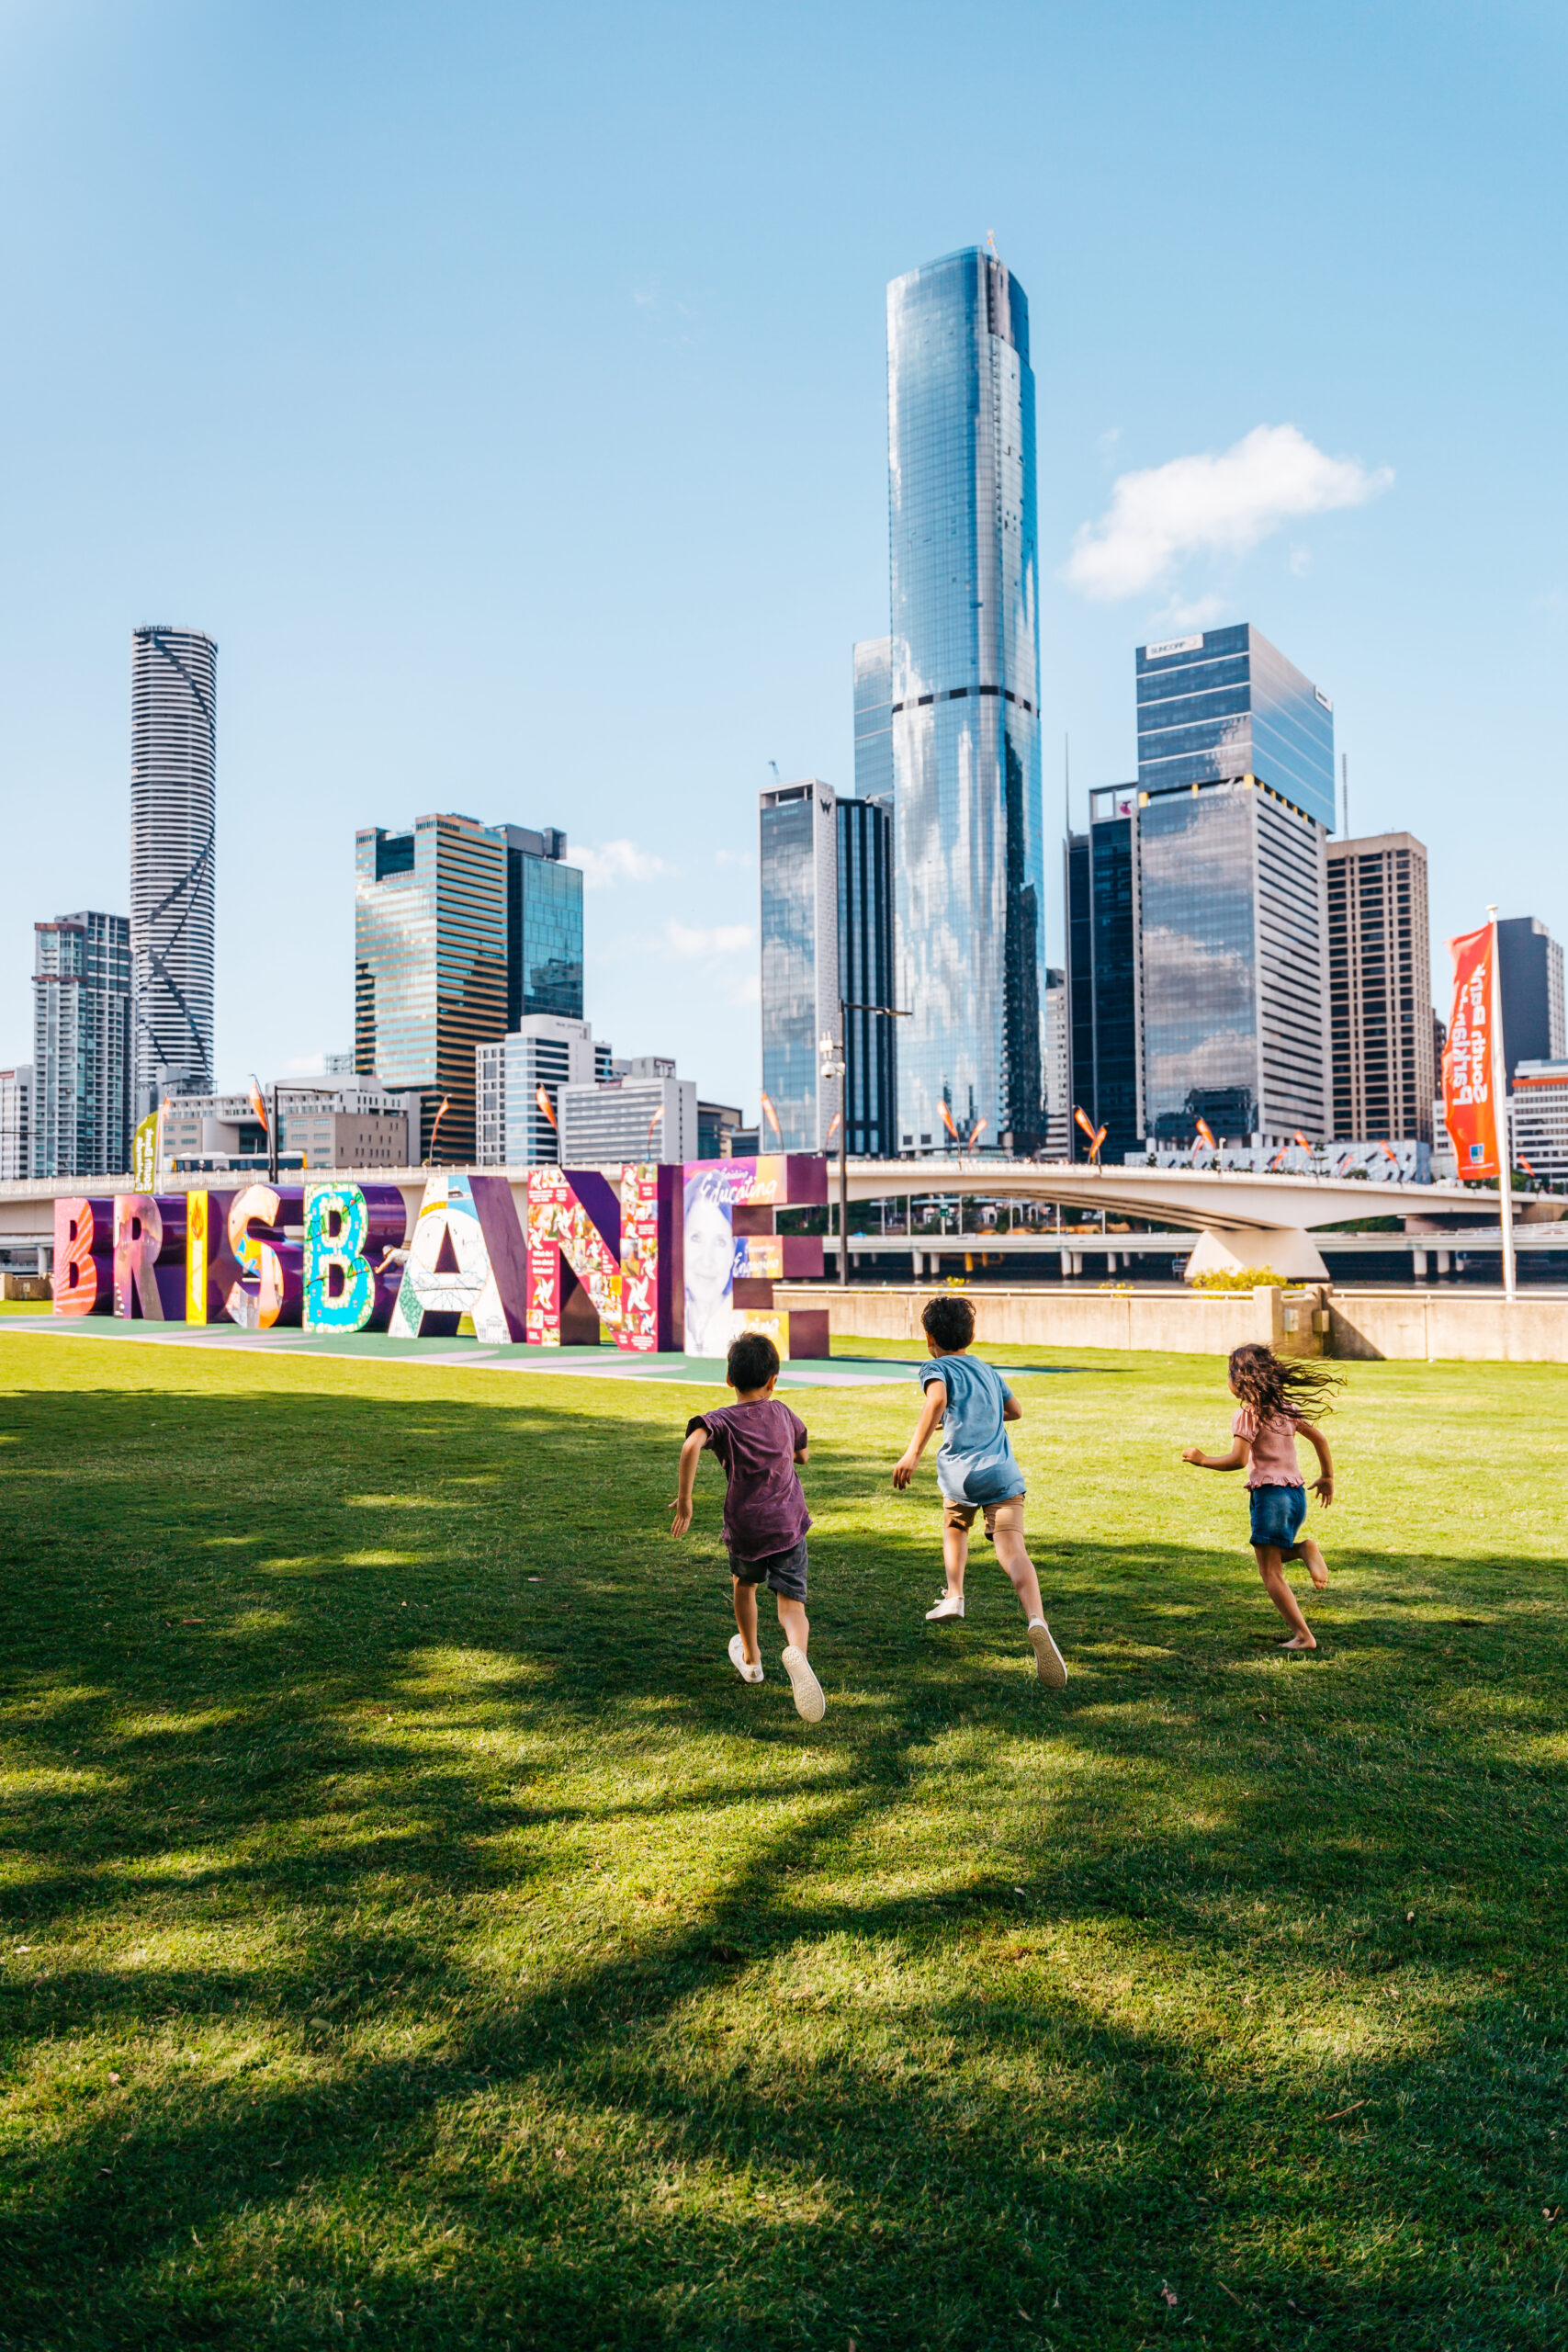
[798,864]
[431,967]
[827,908]
[1106,1072]
[873,720]
[964,707]
[1236,800]
[866,974]
[544,927]
[462,932]
[1225,703]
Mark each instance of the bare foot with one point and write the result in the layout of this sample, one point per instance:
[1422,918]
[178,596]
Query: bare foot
[1297,1642]
[1318,1574]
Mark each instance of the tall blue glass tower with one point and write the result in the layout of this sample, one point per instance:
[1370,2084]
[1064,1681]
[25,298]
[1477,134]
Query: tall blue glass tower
[964,695]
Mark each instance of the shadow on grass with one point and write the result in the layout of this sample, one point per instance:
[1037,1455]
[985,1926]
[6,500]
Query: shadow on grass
[313,1776]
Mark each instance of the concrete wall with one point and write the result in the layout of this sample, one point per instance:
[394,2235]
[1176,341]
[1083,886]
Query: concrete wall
[1475,1326]
[1186,1323]
[1466,1327]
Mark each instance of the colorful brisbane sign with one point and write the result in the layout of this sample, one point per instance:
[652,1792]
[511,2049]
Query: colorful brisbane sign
[649,1257]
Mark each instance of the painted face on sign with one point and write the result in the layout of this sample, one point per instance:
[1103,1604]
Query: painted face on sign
[710,1257]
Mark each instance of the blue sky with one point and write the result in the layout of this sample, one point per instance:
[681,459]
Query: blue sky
[504,388]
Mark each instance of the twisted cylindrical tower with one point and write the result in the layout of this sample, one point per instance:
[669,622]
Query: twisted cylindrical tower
[174,678]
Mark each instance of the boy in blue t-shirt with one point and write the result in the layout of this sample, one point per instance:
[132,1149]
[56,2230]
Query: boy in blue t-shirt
[977,1470]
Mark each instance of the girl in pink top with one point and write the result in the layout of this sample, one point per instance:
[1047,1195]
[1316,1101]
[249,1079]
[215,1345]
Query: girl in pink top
[1272,1391]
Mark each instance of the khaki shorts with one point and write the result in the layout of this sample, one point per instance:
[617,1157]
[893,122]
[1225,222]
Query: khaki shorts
[1008,1516]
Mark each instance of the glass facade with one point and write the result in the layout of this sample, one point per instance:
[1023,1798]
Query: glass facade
[82,1047]
[874,718]
[431,965]
[965,705]
[544,927]
[1227,703]
[1104,977]
[797,858]
[865,975]
[1232,897]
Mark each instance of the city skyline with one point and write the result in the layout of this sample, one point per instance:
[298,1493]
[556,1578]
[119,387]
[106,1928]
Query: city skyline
[281,471]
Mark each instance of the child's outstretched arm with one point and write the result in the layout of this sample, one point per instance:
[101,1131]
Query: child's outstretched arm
[686,1483]
[931,1412]
[1323,1484]
[1237,1458]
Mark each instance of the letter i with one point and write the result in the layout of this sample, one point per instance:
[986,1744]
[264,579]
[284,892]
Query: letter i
[195,1257]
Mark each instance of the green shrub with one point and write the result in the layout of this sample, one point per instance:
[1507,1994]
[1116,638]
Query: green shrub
[1244,1278]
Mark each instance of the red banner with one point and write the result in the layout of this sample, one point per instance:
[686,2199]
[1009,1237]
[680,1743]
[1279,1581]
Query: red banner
[1468,1106]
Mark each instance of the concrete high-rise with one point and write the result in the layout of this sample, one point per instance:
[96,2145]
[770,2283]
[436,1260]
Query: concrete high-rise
[15,1124]
[1380,990]
[174,683]
[80,1112]
[964,695]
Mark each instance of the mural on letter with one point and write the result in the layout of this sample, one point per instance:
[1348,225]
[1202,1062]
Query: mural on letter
[732,1256]
[148,1257]
[349,1230]
[269,1290]
[467,1257]
[84,1256]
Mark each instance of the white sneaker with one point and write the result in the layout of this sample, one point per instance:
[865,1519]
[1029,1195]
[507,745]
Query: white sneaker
[950,1605]
[810,1704]
[1049,1663]
[738,1660]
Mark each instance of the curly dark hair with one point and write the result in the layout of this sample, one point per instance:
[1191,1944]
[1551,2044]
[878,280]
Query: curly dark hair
[753,1362]
[949,1320]
[1272,1384]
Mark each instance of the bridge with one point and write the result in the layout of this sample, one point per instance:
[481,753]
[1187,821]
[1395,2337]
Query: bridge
[1240,1218]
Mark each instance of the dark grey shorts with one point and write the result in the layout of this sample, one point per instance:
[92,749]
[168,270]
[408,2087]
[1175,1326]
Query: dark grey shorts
[781,1572]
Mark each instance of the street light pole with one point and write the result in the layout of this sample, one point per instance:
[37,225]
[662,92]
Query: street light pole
[835,1064]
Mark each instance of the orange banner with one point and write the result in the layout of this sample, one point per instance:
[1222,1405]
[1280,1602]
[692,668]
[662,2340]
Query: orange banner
[1468,1106]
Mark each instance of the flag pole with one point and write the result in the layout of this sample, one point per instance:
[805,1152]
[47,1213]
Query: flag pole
[1500,1100]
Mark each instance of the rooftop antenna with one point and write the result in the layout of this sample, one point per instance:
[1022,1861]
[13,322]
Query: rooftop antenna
[774,766]
[991,240]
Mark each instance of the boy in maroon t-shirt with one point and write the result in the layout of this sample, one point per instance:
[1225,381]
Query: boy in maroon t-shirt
[760,1441]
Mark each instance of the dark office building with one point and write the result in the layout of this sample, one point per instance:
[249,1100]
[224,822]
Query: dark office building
[1102,976]
[544,926]
[1530,972]
[865,975]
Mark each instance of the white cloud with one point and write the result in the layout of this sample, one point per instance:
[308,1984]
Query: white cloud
[620,861]
[1199,612]
[721,939]
[1212,505]
[733,857]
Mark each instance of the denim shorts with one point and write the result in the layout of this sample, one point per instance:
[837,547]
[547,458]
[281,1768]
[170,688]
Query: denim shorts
[1278,1516]
[781,1572]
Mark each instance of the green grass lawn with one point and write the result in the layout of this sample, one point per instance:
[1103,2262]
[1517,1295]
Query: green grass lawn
[414,1935]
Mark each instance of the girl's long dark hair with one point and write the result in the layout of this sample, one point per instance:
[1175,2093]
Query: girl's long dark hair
[1292,1385]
